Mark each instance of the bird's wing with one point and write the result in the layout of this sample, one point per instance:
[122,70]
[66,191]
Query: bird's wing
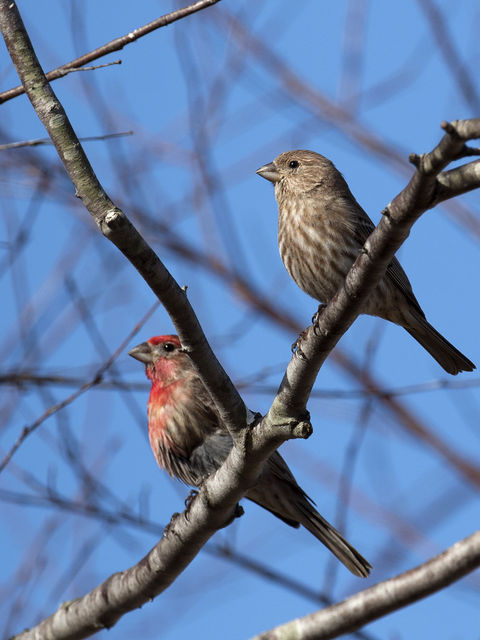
[398,276]
[276,469]
[395,272]
[205,408]
[208,456]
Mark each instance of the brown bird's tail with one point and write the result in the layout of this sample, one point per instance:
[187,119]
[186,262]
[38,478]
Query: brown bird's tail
[437,346]
[277,491]
[333,540]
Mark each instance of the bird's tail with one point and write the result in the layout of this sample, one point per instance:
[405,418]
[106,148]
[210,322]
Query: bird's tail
[447,356]
[333,540]
[278,492]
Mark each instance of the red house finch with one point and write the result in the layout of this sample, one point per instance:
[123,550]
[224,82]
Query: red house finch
[189,440]
[321,230]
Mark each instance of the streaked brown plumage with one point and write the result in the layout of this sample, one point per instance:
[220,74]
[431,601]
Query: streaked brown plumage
[190,441]
[321,230]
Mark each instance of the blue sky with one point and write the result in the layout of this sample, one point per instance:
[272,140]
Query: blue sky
[206,112]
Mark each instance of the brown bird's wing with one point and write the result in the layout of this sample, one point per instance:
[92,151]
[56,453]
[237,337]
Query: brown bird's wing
[395,272]
[398,276]
[448,356]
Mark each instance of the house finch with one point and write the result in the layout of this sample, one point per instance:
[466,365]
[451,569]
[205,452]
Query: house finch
[321,230]
[189,440]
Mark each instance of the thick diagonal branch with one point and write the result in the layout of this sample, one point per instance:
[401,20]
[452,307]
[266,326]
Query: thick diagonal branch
[373,603]
[124,591]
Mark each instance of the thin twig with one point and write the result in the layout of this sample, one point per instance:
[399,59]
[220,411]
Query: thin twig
[97,66]
[47,141]
[28,430]
[115,45]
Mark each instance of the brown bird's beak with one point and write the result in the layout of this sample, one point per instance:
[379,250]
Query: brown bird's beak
[269,172]
[142,352]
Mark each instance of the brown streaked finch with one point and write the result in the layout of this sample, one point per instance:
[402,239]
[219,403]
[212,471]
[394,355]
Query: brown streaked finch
[321,231]
[189,440]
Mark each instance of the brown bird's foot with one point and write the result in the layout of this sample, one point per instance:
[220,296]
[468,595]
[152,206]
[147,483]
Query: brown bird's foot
[237,513]
[189,499]
[296,348]
[316,317]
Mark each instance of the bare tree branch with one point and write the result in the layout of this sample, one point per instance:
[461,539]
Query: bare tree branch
[368,605]
[457,181]
[26,378]
[115,45]
[47,141]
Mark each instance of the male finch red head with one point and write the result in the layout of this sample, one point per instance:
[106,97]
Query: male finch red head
[321,231]
[189,440]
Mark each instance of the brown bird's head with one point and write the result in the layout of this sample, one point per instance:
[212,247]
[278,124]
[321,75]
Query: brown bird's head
[301,172]
[163,358]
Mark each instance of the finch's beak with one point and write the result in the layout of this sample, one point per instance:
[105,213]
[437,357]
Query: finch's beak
[269,172]
[142,352]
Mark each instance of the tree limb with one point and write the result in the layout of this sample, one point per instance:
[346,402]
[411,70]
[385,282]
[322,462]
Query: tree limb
[212,509]
[114,45]
[373,603]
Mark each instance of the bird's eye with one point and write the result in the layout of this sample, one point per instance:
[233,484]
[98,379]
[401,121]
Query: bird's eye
[168,346]
[293,164]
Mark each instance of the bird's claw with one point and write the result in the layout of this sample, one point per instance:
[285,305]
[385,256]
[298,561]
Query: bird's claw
[316,318]
[296,348]
[189,499]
